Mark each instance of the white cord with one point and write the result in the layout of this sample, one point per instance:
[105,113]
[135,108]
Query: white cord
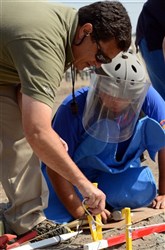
[153,225]
[91,216]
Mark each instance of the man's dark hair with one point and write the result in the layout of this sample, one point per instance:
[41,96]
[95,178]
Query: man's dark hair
[110,20]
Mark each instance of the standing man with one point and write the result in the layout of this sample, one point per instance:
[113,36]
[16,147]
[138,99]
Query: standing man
[149,37]
[39,41]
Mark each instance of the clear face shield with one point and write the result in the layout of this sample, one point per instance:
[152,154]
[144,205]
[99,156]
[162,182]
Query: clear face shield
[112,108]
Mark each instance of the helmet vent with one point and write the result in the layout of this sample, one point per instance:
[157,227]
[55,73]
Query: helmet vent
[134,68]
[124,56]
[118,80]
[118,66]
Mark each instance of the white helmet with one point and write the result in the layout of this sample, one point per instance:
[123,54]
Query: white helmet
[129,73]
[125,66]
[115,98]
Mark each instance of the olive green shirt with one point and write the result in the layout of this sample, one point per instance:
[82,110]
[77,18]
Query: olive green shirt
[35,46]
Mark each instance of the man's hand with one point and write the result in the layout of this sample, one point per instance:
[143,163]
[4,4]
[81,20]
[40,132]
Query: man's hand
[105,216]
[159,202]
[94,198]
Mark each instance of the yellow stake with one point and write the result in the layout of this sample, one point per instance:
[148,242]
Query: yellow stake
[99,227]
[95,228]
[126,212]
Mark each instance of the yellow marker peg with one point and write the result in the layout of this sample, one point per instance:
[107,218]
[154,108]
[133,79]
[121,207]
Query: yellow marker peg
[92,226]
[126,212]
[99,227]
[95,225]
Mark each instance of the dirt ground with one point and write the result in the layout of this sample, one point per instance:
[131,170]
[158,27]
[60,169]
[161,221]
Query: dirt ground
[154,241]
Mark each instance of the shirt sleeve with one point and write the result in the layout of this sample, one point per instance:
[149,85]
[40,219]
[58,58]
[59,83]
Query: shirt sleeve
[40,67]
[154,106]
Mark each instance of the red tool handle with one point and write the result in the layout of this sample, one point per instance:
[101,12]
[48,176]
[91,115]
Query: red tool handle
[22,240]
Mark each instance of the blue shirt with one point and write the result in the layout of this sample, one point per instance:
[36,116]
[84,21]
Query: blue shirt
[131,181]
[69,126]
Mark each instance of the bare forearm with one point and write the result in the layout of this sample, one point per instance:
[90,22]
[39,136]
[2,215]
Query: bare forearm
[48,147]
[69,198]
[50,150]
[36,117]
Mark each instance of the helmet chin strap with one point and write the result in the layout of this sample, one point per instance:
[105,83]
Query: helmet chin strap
[73,105]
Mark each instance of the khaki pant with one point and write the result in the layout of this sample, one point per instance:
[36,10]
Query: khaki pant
[20,171]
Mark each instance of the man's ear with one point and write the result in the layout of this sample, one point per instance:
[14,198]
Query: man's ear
[82,32]
[85,30]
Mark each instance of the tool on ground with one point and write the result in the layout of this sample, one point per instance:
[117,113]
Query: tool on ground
[5,238]
[117,215]
[9,241]
[47,242]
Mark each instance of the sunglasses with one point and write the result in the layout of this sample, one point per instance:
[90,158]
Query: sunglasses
[100,56]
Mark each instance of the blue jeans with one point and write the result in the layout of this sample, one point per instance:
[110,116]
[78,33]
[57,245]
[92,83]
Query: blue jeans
[155,66]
